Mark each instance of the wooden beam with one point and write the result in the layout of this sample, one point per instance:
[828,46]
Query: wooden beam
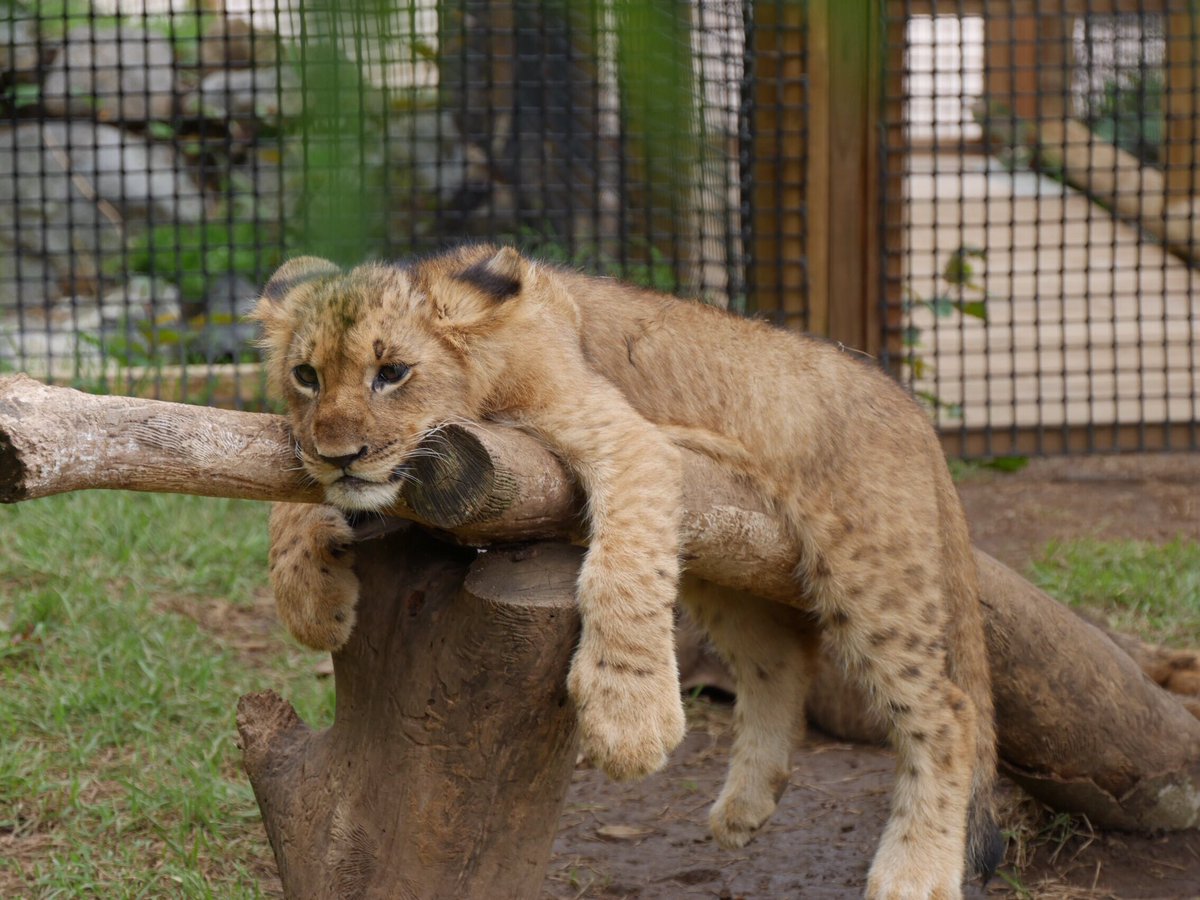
[779,274]
[1027,63]
[991,8]
[845,45]
[491,484]
[1181,145]
[979,443]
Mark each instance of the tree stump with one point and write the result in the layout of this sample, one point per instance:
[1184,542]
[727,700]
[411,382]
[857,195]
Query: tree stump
[446,767]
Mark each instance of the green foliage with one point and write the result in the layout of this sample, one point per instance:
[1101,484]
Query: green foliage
[965,470]
[189,255]
[334,159]
[1130,113]
[961,294]
[1137,587]
[657,274]
[20,96]
[146,343]
[118,760]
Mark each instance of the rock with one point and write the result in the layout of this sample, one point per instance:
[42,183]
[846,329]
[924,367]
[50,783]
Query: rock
[48,346]
[225,335]
[133,323]
[142,297]
[232,43]
[123,74]
[75,192]
[267,95]
[20,50]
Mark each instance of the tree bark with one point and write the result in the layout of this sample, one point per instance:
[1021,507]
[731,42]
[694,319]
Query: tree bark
[1080,725]
[1077,718]
[446,767]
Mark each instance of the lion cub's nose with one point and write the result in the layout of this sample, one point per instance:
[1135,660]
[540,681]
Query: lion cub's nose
[344,459]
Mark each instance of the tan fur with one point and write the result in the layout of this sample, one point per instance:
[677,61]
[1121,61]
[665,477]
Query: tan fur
[614,378]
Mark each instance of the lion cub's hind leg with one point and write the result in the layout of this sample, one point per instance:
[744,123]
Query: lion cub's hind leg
[315,587]
[770,650]
[894,643]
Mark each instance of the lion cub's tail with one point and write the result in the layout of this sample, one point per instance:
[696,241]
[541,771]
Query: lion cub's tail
[969,670]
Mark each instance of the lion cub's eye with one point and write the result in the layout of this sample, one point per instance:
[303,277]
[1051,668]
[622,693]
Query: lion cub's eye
[306,376]
[390,374]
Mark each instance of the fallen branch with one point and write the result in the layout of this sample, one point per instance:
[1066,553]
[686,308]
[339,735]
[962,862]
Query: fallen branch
[1078,721]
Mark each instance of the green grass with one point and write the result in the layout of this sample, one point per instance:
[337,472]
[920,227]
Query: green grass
[119,772]
[1145,589]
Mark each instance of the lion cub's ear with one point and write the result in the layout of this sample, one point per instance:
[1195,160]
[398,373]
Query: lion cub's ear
[274,310]
[469,296]
[291,275]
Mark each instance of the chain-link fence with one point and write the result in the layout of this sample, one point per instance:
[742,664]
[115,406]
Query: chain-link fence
[156,162]
[1043,202]
[995,199]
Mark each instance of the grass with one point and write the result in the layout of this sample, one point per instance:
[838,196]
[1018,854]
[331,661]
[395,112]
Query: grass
[130,624]
[119,772]
[1145,589]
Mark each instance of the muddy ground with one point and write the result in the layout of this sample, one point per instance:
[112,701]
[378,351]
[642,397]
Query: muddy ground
[650,841]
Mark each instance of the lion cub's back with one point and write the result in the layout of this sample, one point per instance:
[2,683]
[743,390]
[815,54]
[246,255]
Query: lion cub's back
[682,362]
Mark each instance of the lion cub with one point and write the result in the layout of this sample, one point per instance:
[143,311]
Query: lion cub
[614,379]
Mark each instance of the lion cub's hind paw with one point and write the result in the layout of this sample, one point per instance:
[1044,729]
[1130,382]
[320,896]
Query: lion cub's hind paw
[916,880]
[736,817]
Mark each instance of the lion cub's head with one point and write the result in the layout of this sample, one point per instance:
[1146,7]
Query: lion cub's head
[372,359]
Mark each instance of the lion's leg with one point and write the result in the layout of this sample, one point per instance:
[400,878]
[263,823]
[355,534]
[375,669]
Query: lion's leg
[312,576]
[893,641]
[624,677]
[770,650]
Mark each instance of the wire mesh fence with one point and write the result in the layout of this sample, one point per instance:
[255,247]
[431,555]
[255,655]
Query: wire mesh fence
[1043,198]
[157,162]
[995,199]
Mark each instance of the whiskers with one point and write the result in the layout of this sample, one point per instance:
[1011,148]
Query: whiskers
[301,467]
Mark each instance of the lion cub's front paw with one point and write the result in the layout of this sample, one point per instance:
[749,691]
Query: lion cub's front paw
[630,717]
[315,587]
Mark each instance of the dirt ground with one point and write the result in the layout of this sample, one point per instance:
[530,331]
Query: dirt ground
[650,840]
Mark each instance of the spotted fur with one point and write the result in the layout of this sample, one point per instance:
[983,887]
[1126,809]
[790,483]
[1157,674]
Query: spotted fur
[614,378]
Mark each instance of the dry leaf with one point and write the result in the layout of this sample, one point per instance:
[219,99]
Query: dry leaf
[623,832]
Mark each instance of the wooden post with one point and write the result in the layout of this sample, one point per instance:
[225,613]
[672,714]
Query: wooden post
[1181,146]
[1027,59]
[892,200]
[845,46]
[446,767]
[782,242]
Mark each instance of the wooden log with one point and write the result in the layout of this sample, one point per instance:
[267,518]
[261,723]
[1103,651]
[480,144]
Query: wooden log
[495,484]
[445,770]
[1116,178]
[1137,767]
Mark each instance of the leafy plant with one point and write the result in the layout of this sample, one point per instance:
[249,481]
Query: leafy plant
[189,255]
[963,294]
[655,272]
[146,343]
[1129,113]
